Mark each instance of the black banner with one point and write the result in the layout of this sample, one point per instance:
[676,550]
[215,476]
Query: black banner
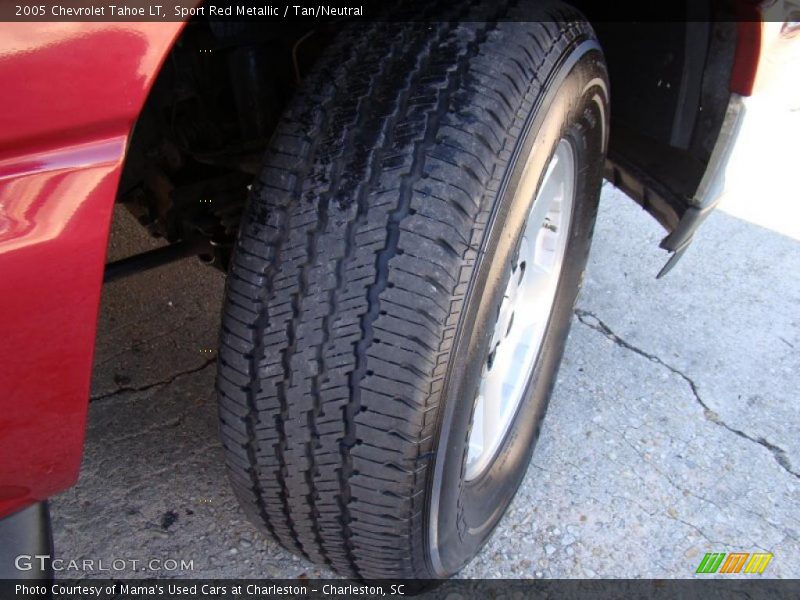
[454,589]
[282,11]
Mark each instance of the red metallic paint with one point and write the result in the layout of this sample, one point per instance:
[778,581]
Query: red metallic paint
[748,49]
[71,93]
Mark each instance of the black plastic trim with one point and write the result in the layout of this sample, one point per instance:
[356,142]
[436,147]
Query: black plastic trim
[24,536]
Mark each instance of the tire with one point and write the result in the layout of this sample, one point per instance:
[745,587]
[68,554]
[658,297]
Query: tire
[368,276]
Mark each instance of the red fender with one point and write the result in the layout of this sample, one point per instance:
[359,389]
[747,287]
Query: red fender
[71,93]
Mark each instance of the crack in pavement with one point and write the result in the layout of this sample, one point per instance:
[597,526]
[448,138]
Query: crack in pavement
[594,322]
[689,492]
[150,386]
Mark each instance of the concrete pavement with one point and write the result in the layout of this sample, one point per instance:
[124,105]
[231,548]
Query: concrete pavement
[673,430]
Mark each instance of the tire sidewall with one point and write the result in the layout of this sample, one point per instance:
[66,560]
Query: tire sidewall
[461,515]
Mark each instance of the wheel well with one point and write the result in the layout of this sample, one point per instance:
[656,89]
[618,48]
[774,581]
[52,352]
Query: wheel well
[203,130]
[670,68]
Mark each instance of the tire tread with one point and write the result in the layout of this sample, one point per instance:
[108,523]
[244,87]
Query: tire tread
[349,277]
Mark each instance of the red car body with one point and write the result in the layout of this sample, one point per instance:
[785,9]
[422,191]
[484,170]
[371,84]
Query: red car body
[72,92]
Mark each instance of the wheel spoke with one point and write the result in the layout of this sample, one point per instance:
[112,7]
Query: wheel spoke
[476,437]
[540,210]
[537,281]
[524,311]
[491,416]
